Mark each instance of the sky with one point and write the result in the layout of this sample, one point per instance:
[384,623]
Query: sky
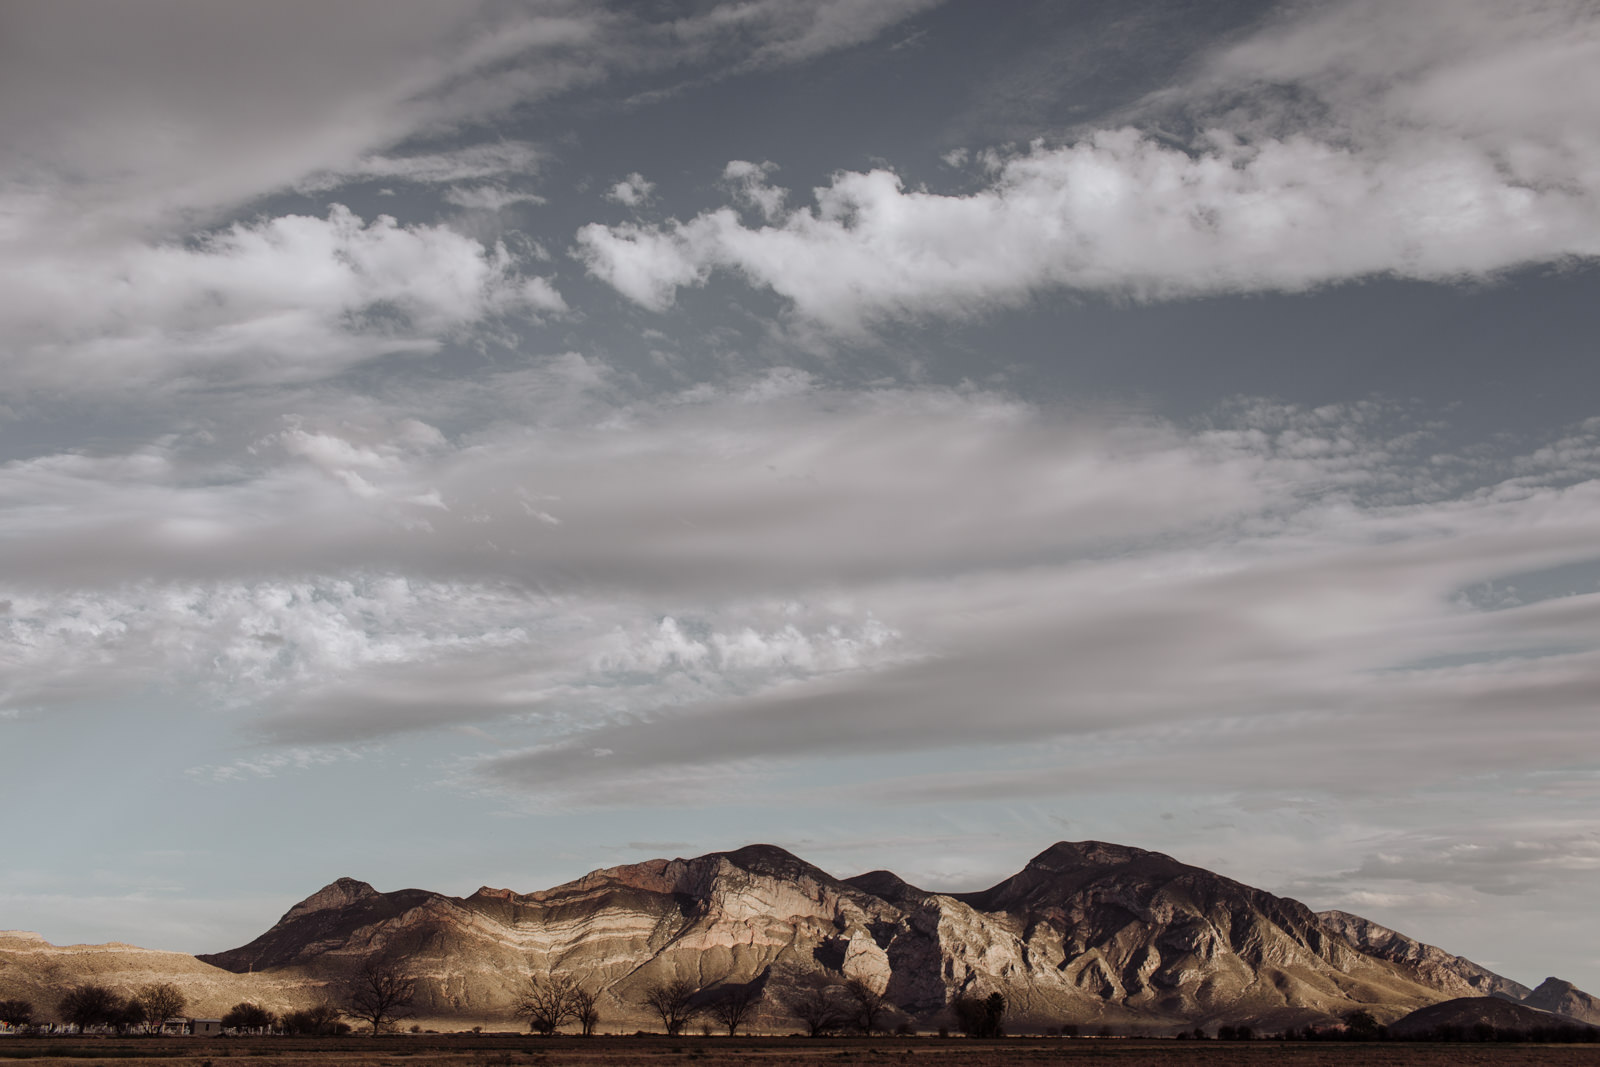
[468,443]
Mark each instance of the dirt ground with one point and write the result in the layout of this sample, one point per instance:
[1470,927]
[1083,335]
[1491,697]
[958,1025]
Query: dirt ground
[471,1050]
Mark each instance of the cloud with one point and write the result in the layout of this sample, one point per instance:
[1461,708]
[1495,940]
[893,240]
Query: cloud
[285,298]
[1394,174]
[135,136]
[632,191]
[724,580]
[495,159]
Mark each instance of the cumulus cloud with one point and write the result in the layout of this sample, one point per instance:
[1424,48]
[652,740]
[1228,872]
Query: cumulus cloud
[1395,175]
[290,297]
[632,191]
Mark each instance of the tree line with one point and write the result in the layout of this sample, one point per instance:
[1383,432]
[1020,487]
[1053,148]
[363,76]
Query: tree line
[379,997]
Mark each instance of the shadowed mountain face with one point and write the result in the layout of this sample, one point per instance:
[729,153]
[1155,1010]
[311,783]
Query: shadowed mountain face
[1564,998]
[1087,932]
[1453,1019]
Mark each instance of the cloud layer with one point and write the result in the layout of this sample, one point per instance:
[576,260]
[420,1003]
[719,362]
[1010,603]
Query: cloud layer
[780,570]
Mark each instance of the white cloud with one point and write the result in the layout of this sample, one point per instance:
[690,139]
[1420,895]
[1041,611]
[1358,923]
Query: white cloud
[632,191]
[134,135]
[488,197]
[1398,175]
[495,159]
[283,298]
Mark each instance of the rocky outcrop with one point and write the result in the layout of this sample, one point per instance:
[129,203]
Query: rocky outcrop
[1564,998]
[1433,967]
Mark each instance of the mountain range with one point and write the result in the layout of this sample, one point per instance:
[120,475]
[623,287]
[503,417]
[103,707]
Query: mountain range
[1088,933]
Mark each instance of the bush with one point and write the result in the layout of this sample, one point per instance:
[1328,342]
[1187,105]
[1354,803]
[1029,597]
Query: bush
[981,1018]
[247,1016]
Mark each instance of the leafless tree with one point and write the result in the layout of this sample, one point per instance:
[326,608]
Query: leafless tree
[819,1003]
[585,1010]
[734,1005]
[547,1002]
[379,996]
[869,1003]
[161,1001]
[673,1002]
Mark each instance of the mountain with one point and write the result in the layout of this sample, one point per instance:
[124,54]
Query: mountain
[1088,932]
[1564,998]
[1428,965]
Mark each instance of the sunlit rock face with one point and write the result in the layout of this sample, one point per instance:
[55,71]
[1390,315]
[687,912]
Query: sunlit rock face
[1087,933]
[1429,965]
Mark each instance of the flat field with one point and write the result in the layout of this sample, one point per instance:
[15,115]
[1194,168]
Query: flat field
[472,1050]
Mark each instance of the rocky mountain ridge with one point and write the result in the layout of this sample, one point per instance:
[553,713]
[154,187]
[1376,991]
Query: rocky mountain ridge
[1088,932]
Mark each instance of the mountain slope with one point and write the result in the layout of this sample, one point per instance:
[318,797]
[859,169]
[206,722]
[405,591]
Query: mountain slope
[34,970]
[1431,966]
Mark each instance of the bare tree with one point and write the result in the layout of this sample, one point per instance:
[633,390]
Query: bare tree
[547,1002]
[379,996]
[869,1004]
[819,1003]
[673,1002]
[161,1001]
[90,1005]
[585,1010]
[734,1004]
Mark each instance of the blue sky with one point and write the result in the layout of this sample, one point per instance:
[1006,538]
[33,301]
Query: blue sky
[470,443]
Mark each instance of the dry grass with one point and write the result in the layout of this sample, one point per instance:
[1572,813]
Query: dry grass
[471,1050]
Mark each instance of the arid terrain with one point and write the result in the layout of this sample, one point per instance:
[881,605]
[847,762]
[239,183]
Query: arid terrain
[472,1050]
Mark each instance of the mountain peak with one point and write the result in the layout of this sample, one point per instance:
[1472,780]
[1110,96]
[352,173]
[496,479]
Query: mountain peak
[1564,998]
[770,860]
[339,893]
[1073,855]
